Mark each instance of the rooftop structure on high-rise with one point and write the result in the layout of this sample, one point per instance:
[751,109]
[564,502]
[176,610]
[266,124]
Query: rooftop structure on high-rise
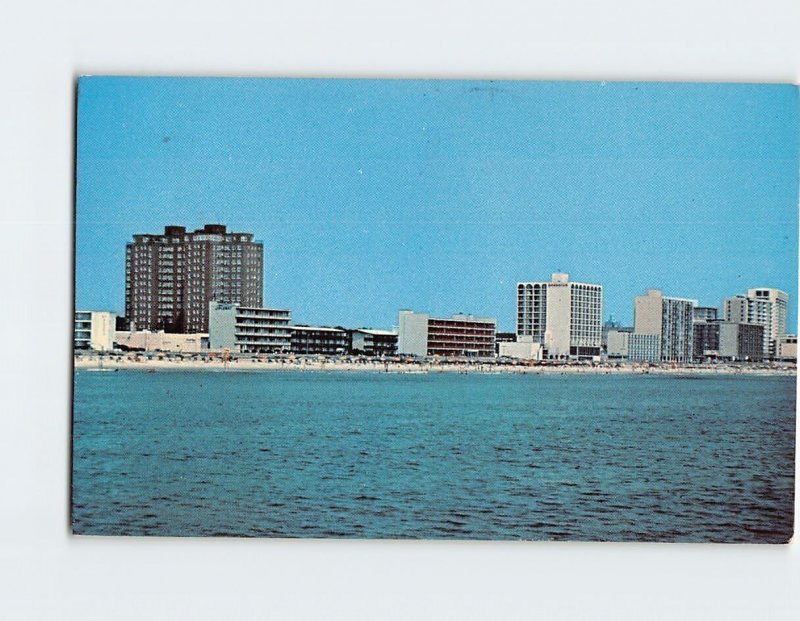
[171,278]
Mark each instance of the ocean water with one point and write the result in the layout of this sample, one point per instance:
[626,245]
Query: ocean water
[323,454]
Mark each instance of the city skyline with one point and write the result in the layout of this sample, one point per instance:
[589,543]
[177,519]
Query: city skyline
[371,196]
[604,319]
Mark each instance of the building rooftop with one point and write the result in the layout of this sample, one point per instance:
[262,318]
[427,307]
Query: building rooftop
[213,304]
[659,293]
[263,308]
[558,278]
[172,230]
[455,317]
[317,328]
[376,332]
[465,317]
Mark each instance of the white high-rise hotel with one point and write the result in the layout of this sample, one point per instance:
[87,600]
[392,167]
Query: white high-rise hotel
[564,317]
[763,306]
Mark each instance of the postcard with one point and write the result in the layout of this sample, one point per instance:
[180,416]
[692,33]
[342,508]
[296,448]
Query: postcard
[435,309]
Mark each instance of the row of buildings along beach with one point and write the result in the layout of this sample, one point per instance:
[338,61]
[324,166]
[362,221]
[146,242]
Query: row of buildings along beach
[201,291]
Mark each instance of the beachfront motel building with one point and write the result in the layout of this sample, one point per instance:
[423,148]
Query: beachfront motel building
[318,340]
[249,329]
[460,335]
[663,328]
[564,317]
[94,330]
[369,342]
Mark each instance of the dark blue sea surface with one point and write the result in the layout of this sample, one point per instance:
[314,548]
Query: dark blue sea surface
[325,454]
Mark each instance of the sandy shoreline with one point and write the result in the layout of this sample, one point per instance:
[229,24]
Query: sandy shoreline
[301,364]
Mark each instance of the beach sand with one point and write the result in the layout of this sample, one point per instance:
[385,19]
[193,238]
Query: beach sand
[312,364]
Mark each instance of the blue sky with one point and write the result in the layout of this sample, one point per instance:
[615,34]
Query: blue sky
[376,195]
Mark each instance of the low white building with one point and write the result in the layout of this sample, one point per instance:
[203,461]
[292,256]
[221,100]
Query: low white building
[94,330]
[373,342]
[524,349]
[248,329]
[787,348]
[162,341]
[618,344]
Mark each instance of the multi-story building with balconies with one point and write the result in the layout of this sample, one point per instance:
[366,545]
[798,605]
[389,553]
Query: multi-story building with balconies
[457,336]
[669,319]
[171,278]
[319,340]
[370,342]
[762,306]
[94,330]
[728,340]
[705,313]
[249,329]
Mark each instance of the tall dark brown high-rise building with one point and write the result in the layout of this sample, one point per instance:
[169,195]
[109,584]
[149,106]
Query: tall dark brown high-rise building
[171,278]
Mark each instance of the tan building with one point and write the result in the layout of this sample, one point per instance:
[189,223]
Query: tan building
[162,341]
[648,312]
[564,317]
[618,342]
[787,349]
[671,320]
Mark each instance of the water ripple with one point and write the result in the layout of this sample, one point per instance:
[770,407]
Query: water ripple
[610,458]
